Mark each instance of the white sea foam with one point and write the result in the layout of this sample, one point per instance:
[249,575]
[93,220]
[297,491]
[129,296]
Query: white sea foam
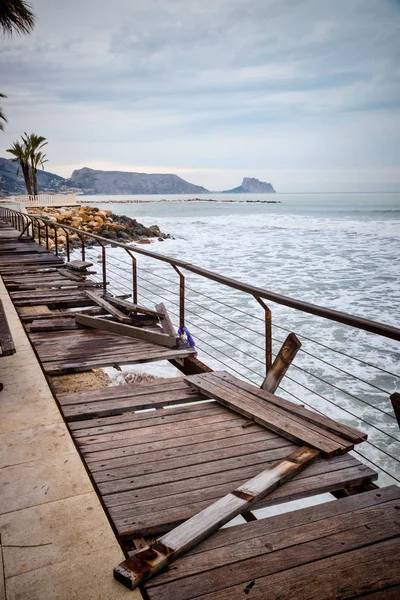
[343,255]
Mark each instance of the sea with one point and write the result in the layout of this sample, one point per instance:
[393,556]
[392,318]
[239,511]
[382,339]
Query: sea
[336,250]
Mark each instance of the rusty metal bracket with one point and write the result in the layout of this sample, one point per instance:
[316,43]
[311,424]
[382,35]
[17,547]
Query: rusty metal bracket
[134,276]
[268,334]
[181,297]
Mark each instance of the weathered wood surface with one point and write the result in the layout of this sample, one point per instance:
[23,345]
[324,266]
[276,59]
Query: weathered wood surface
[282,362]
[78,265]
[158,468]
[108,307]
[224,388]
[343,549]
[166,323]
[123,329]
[118,399]
[353,435]
[85,349]
[136,308]
[7,345]
[145,563]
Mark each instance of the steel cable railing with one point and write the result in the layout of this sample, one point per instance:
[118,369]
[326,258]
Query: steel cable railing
[235,324]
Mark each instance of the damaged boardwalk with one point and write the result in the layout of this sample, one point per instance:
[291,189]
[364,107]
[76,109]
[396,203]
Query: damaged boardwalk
[206,437]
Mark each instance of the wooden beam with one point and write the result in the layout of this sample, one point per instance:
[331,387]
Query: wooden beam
[348,433]
[190,365]
[274,418]
[136,308]
[78,265]
[148,561]
[121,328]
[166,322]
[395,399]
[108,307]
[281,363]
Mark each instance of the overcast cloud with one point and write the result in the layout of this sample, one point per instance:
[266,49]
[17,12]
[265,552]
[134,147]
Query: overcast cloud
[302,93]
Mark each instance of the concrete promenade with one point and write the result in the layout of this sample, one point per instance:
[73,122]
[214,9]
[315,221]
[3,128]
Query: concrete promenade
[56,542]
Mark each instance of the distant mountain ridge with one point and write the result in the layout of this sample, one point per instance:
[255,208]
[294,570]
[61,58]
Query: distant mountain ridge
[125,182]
[251,185]
[93,181]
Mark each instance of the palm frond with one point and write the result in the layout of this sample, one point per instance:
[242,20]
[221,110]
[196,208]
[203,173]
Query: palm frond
[16,16]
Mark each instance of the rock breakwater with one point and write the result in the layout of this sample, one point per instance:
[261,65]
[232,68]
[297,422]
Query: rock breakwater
[91,219]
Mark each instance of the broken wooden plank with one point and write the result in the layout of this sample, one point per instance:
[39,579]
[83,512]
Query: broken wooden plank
[166,323]
[282,362]
[270,416]
[353,435]
[108,307]
[140,333]
[53,325]
[135,307]
[146,562]
[78,265]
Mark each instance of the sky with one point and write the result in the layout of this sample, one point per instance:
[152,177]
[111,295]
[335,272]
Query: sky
[304,94]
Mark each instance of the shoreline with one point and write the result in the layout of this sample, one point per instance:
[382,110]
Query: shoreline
[171,201]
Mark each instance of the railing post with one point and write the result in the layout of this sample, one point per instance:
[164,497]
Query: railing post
[83,246]
[67,238]
[104,267]
[55,240]
[46,226]
[134,277]
[181,297]
[268,334]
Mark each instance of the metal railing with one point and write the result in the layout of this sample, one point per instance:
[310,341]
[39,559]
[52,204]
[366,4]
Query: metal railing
[235,334]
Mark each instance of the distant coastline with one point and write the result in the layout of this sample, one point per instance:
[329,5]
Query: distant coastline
[178,200]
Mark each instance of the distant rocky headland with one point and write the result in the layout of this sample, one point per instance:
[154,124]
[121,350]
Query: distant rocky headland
[92,181]
[251,185]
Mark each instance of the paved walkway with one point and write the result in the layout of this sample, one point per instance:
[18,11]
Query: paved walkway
[56,542]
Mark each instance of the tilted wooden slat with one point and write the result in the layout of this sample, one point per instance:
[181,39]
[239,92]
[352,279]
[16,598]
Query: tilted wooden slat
[283,422]
[148,561]
[140,333]
[353,435]
[108,307]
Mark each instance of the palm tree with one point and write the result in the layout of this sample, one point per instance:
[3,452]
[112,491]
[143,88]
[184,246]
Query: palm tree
[21,153]
[2,115]
[34,145]
[16,16]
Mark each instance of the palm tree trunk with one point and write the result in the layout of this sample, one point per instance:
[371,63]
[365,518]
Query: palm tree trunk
[34,180]
[27,176]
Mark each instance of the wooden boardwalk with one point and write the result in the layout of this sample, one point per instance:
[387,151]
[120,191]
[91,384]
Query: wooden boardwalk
[155,469]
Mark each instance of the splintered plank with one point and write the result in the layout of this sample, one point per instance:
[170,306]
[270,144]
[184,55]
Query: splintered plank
[136,308]
[102,408]
[94,310]
[315,553]
[53,325]
[286,424]
[348,433]
[107,359]
[146,562]
[166,323]
[108,307]
[63,284]
[140,333]
[156,509]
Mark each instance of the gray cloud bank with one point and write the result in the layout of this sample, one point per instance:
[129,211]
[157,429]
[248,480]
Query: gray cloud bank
[289,90]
